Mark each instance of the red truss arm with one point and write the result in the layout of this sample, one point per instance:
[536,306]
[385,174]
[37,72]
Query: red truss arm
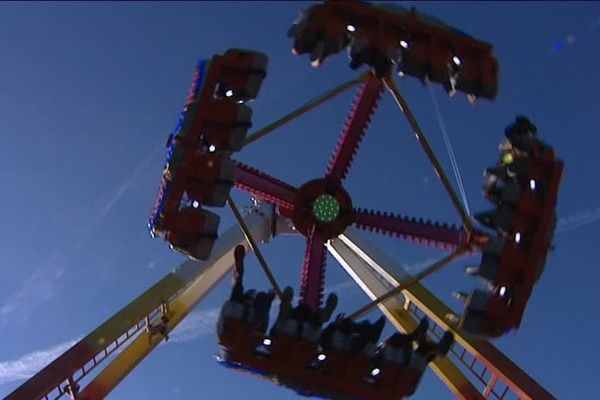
[313,272]
[264,186]
[444,236]
[355,128]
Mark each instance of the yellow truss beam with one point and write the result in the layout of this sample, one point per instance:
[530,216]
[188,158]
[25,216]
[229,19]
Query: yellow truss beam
[178,308]
[501,366]
[372,285]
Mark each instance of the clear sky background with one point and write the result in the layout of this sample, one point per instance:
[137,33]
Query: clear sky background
[90,91]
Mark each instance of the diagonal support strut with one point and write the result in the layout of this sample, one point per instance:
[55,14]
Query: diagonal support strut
[407,283]
[393,89]
[302,110]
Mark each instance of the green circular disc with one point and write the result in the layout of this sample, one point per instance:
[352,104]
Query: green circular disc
[326,208]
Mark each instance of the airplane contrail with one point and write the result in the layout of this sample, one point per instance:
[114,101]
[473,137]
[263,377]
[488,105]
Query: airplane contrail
[576,221]
[26,366]
[50,271]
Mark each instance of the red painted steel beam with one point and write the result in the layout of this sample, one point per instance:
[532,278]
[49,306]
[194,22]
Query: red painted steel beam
[427,232]
[355,128]
[264,186]
[313,272]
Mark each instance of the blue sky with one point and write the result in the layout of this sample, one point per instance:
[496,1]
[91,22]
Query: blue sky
[89,92]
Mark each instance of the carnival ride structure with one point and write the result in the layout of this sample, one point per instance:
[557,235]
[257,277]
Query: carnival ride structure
[199,172]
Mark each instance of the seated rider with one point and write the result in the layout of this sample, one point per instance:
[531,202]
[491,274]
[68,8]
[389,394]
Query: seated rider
[365,336]
[307,324]
[235,307]
[502,191]
[285,324]
[258,310]
[337,334]
[499,219]
[301,321]
[324,314]
[521,134]
[486,313]
[427,351]
[345,334]
[312,321]
[398,348]
[245,306]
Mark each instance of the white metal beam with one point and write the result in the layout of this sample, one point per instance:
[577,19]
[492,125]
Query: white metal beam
[486,354]
[369,281]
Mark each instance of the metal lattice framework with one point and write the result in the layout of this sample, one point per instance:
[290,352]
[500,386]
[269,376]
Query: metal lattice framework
[321,210]
[473,369]
[290,200]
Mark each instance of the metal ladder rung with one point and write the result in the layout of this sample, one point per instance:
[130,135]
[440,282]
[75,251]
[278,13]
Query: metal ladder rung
[106,352]
[460,353]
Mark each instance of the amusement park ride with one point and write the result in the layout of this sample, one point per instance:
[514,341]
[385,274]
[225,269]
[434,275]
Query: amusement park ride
[343,359]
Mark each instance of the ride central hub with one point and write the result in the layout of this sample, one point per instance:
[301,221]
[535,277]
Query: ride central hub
[322,207]
[326,208]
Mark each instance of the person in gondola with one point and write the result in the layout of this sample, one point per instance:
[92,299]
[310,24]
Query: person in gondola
[398,348]
[285,324]
[336,335]
[246,306]
[301,321]
[521,134]
[426,351]
[365,335]
[345,334]
[310,322]
[236,306]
